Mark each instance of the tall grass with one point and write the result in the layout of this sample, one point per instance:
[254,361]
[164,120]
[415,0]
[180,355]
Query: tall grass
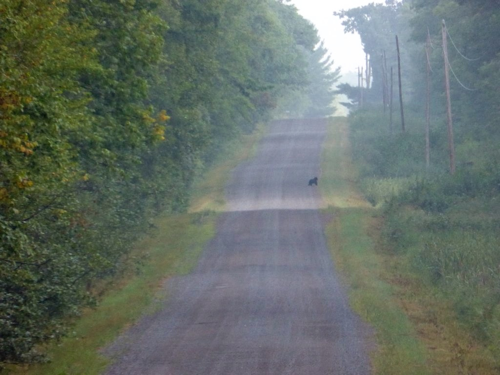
[353,243]
[378,191]
[444,230]
[456,252]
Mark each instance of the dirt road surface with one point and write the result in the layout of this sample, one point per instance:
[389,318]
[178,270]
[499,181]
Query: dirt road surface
[264,298]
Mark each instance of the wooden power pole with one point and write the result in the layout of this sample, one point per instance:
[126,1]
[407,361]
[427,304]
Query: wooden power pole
[359,88]
[390,100]
[385,95]
[362,87]
[451,145]
[400,88]
[428,104]
[368,71]
[386,83]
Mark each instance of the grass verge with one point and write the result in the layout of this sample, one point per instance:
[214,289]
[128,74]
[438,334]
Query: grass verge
[440,237]
[446,263]
[353,237]
[415,316]
[208,192]
[172,250]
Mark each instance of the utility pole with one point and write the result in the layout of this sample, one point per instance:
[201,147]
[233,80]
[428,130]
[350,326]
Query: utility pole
[384,83]
[451,145]
[390,100]
[400,89]
[428,104]
[359,89]
[361,77]
[367,73]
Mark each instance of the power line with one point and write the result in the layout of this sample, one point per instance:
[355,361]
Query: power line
[430,38]
[460,53]
[447,62]
[429,63]
[461,84]
[428,44]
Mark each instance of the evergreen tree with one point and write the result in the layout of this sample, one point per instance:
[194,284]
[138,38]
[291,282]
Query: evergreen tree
[322,77]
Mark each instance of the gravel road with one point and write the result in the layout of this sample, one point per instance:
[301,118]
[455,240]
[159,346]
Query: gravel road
[265,298]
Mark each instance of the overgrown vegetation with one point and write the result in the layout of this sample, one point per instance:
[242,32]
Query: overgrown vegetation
[172,249]
[440,235]
[353,240]
[442,227]
[108,111]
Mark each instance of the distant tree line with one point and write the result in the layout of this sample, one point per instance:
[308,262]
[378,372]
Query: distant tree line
[474,58]
[108,109]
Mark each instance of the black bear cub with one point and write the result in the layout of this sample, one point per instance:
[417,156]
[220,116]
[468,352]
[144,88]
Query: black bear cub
[313,181]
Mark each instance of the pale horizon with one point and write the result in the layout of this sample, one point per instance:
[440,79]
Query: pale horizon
[345,49]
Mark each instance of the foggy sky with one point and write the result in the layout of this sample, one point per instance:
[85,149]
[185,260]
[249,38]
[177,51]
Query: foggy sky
[345,49]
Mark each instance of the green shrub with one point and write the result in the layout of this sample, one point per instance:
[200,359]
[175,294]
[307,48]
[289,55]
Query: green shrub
[444,227]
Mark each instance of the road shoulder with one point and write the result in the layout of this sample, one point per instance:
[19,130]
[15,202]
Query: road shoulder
[171,249]
[353,237]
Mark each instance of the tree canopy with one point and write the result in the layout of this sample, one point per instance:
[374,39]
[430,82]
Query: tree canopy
[108,109]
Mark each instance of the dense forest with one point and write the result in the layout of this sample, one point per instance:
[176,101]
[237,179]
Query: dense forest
[108,111]
[436,176]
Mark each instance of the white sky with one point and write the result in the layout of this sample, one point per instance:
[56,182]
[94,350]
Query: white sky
[345,49]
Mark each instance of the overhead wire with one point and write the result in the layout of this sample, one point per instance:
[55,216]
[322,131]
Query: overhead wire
[461,84]
[456,49]
[429,63]
[429,43]
[465,57]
